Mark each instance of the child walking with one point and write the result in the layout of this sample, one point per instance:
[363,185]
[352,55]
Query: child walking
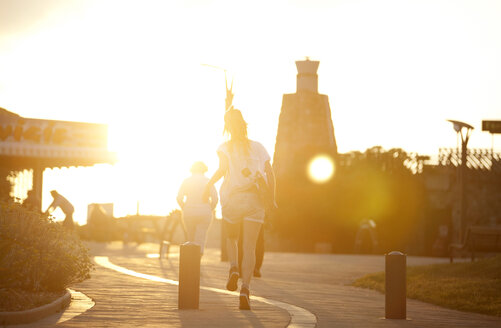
[197,213]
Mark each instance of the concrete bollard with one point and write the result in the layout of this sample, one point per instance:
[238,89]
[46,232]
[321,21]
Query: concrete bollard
[189,276]
[395,285]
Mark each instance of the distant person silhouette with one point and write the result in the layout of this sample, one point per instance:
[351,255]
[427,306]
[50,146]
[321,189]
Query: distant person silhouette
[197,214]
[32,202]
[65,206]
[100,224]
[242,162]
[366,238]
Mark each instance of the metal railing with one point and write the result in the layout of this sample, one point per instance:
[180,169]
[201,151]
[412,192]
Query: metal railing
[476,159]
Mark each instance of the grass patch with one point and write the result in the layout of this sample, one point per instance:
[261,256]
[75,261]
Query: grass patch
[472,287]
[20,300]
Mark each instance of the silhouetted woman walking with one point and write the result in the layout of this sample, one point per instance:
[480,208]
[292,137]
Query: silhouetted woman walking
[242,162]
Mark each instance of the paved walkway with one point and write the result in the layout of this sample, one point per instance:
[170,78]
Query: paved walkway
[316,284]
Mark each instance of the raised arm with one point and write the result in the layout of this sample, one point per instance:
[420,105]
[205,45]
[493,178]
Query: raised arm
[51,207]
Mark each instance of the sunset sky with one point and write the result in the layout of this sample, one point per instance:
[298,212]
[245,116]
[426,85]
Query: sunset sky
[394,72]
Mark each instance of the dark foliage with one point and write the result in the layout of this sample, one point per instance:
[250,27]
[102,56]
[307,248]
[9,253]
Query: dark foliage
[373,185]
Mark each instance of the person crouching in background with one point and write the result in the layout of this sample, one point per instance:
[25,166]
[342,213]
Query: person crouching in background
[67,208]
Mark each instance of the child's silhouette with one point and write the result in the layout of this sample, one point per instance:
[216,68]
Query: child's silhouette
[197,212]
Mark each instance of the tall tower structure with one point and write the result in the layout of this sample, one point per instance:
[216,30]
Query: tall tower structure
[305,126]
[305,131]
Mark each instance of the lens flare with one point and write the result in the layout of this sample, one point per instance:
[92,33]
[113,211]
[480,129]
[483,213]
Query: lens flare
[321,168]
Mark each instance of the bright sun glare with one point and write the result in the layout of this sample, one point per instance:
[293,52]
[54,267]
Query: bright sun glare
[321,168]
[164,101]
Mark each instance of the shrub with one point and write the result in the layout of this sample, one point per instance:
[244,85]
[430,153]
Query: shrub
[38,254]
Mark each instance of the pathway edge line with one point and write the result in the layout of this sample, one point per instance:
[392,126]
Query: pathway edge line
[299,317]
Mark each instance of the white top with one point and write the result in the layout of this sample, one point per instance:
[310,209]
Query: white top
[237,178]
[63,204]
[189,196]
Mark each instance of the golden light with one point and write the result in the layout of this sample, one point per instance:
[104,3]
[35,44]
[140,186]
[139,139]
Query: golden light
[321,168]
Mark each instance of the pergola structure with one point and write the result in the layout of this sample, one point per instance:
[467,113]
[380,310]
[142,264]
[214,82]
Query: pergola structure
[37,144]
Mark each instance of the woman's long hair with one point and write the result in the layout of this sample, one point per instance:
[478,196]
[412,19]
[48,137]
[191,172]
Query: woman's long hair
[236,127]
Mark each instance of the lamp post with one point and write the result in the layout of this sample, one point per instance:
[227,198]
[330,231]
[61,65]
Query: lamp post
[464,130]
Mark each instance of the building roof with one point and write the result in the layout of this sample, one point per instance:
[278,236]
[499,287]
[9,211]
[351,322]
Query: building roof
[27,143]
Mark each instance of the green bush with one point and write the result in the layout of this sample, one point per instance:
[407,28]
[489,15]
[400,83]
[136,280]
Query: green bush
[38,254]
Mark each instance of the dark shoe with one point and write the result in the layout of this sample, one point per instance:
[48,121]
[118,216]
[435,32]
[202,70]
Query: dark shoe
[232,283]
[244,299]
[257,273]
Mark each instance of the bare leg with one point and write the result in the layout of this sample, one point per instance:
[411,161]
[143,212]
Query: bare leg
[240,249]
[259,252]
[250,234]
[200,234]
[190,229]
[231,245]
[232,232]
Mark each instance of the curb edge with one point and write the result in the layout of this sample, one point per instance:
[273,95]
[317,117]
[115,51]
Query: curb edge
[31,315]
